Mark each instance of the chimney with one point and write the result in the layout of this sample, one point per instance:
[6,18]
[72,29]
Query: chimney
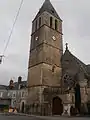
[19,79]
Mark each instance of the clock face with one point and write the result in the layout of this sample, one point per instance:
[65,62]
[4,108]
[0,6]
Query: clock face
[36,38]
[53,37]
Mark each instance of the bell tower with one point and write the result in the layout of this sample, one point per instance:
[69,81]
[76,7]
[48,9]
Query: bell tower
[44,68]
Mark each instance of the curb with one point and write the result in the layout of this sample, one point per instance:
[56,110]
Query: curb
[21,114]
[16,114]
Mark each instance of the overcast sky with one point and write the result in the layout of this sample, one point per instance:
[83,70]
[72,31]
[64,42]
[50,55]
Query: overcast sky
[76,29]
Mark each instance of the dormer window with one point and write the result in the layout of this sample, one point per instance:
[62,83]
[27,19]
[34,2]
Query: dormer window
[51,19]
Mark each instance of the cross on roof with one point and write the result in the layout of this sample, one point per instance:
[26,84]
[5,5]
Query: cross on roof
[66,46]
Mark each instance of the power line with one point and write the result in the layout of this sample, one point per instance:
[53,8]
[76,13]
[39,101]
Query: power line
[13,27]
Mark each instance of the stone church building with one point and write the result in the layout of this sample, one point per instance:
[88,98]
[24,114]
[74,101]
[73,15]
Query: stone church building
[52,74]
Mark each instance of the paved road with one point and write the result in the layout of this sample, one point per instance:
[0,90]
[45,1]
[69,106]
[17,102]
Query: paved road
[4,117]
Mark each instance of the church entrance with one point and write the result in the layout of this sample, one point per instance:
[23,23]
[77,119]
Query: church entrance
[57,106]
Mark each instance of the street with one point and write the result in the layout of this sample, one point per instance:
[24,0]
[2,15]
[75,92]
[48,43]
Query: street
[5,117]
[13,117]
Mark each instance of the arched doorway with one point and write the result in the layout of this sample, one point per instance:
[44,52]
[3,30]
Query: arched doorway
[57,106]
[22,107]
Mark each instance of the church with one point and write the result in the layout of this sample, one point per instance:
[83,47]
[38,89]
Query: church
[52,74]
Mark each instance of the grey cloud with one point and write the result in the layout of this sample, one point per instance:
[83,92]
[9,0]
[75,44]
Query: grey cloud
[76,26]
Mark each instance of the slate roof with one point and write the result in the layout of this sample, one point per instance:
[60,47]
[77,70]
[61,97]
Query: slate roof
[68,54]
[16,86]
[88,69]
[23,85]
[47,6]
[3,87]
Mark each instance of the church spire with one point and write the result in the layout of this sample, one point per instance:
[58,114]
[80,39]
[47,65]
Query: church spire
[47,6]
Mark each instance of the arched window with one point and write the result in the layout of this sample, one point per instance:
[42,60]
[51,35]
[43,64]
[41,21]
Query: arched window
[51,19]
[53,68]
[39,21]
[56,22]
[36,25]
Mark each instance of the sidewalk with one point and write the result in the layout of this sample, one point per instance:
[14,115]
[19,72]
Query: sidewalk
[19,114]
[49,117]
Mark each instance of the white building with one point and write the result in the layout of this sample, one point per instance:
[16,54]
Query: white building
[14,95]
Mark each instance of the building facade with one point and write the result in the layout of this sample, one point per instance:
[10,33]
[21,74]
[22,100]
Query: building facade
[4,100]
[14,95]
[52,74]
